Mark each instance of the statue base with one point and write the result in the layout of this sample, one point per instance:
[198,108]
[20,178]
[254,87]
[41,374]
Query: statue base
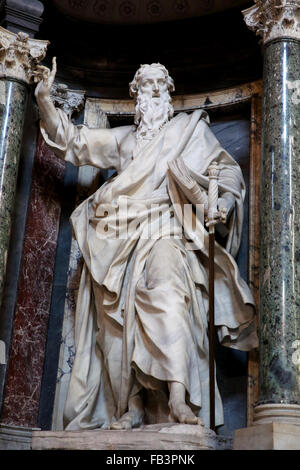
[15,437]
[163,436]
[268,436]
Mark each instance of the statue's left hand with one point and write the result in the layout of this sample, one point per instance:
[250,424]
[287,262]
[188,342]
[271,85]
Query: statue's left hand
[221,215]
[226,205]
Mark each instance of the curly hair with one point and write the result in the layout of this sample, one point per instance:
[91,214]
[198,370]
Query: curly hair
[134,85]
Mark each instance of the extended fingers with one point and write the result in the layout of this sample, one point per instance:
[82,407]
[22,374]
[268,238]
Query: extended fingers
[53,72]
[54,66]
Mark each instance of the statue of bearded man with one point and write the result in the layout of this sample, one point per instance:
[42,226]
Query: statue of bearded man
[141,316]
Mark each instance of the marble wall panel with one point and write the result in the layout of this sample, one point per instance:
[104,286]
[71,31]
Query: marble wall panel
[254,238]
[22,392]
[67,349]
[56,313]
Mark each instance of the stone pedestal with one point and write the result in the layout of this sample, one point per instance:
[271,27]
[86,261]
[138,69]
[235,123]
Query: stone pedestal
[270,436]
[15,437]
[165,436]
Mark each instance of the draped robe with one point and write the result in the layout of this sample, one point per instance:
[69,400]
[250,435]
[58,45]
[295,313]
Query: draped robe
[113,310]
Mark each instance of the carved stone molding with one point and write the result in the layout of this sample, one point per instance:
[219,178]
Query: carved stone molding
[277,412]
[15,437]
[20,15]
[70,101]
[274,19]
[20,55]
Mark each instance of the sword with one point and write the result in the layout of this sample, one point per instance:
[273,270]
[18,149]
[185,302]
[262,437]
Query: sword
[213,217]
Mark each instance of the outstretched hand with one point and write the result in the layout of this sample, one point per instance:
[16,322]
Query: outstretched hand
[45,79]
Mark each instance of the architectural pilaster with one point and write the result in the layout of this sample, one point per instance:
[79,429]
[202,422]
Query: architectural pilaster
[277,22]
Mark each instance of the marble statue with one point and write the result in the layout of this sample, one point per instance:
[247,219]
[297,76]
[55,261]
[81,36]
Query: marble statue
[141,316]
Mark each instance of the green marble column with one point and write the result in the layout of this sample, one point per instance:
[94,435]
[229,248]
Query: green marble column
[20,56]
[279,322]
[276,417]
[13,100]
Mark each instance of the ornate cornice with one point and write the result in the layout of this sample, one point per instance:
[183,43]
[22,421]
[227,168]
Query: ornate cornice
[274,19]
[20,55]
[70,101]
[22,15]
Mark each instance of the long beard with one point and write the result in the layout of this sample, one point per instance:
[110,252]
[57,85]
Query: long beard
[151,114]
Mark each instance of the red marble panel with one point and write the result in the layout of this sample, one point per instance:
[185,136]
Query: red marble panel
[21,400]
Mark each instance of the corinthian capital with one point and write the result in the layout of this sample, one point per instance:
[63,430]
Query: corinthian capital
[70,101]
[20,55]
[273,19]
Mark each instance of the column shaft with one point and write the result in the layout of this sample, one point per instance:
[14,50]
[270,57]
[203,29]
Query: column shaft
[13,100]
[280,224]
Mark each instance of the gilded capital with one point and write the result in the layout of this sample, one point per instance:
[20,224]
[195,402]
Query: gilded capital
[20,55]
[274,19]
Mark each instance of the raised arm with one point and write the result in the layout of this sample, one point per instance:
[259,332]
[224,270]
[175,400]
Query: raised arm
[78,145]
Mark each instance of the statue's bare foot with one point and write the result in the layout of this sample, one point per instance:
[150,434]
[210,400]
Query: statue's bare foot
[183,413]
[129,420]
[134,416]
[178,407]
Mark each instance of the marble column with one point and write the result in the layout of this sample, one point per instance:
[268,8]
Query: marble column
[13,98]
[19,56]
[278,407]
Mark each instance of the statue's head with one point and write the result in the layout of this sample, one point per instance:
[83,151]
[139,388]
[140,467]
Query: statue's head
[148,78]
[150,89]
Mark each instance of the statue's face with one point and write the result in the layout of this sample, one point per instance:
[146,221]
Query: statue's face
[153,106]
[153,83]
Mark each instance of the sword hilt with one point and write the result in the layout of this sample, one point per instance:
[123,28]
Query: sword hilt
[214,215]
[213,193]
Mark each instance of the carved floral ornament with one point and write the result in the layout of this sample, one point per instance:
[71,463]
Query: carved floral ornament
[20,56]
[273,19]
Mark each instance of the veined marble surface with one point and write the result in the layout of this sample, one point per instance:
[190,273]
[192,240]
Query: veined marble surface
[280,225]
[13,98]
[25,368]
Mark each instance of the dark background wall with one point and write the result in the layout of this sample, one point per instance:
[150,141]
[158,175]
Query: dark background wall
[202,53]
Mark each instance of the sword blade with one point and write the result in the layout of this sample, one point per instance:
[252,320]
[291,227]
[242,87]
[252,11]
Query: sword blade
[211,317]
